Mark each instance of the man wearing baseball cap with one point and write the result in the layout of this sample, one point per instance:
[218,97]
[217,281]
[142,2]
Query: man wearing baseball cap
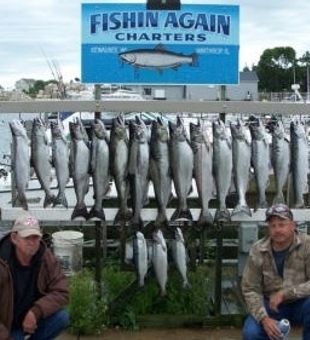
[276,278]
[33,287]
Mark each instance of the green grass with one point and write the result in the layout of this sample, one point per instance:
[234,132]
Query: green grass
[90,314]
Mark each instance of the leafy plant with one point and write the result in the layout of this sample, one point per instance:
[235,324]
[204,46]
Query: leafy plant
[87,311]
[122,302]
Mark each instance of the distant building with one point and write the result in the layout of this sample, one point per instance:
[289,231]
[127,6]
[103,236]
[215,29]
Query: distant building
[24,84]
[247,89]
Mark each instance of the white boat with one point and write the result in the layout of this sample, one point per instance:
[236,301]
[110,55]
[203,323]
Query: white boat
[122,94]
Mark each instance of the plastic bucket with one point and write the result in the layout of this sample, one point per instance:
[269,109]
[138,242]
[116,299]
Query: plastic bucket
[68,248]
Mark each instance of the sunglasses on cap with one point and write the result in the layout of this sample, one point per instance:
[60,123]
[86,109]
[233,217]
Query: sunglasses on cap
[279,210]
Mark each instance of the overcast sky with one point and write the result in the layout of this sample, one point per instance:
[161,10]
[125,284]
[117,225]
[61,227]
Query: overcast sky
[35,30]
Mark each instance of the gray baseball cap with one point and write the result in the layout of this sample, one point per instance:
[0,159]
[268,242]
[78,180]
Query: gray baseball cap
[26,225]
[280,210]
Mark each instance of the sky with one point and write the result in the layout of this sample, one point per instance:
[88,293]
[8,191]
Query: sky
[35,32]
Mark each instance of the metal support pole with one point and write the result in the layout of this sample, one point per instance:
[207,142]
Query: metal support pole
[218,270]
[13,177]
[98,257]
[99,226]
[223,93]
[163,4]
[308,84]
[247,234]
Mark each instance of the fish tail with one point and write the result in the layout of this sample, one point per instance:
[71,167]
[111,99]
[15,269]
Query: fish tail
[241,209]
[299,204]
[136,221]
[21,200]
[222,216]
[141,282]
[186,284]
[205,218]
[48,200]
[182,215]
[122,216]
[261,205]
[61,199]
[161,219]
[163,292]
[279,198]
[80,211]
[97,214]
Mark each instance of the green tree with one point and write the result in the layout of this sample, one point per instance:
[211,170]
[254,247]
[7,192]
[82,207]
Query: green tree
[277,69]
[304,72]
[37,86]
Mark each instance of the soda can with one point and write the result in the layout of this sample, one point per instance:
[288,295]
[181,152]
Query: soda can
[285,327]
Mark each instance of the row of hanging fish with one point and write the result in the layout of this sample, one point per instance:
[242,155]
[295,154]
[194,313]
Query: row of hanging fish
[214,158]
[154,253]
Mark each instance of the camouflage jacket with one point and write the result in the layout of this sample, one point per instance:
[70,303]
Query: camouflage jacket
[261,279]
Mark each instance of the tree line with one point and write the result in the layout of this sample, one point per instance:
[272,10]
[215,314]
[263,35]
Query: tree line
[278,68]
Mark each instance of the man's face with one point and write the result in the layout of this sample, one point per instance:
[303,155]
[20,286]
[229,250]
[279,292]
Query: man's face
[281,230]
[26,246]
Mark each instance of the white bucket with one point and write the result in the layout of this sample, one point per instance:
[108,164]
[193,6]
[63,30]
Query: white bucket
[68,248]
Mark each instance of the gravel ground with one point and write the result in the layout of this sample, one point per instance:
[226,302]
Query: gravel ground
[172,334]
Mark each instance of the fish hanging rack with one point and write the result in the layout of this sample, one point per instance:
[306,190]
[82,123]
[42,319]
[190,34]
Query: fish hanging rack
[227,107]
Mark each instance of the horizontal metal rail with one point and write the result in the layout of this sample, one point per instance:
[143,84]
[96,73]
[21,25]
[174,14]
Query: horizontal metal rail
[148,214]
[154,106]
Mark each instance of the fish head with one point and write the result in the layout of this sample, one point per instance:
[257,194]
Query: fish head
[75,131]
[219,129]
[158,237]
[119,129]
[297,128]
[128,57]
[159,130]
[57,128]
[18,128]
[177,130]
[82,129]
[195,133]
[199,133]
[139,235]
[99,129]
[178,235]
[138,130]
[278,131]
[236,130]
[38,127]
[257,130]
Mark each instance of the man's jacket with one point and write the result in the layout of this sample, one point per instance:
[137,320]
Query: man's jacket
[52,285]
[261,279]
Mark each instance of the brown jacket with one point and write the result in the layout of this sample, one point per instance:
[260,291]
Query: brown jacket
[52,285]
[261,279]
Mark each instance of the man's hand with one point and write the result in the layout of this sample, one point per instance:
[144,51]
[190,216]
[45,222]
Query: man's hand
[275,300]
[29,323]
[271,328]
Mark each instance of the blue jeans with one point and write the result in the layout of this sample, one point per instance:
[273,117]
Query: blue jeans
[297,312]
[48,328]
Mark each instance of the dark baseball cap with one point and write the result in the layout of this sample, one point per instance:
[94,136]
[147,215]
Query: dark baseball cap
[279,210]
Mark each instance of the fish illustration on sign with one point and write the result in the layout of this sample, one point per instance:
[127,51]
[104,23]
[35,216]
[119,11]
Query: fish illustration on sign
[158,58]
